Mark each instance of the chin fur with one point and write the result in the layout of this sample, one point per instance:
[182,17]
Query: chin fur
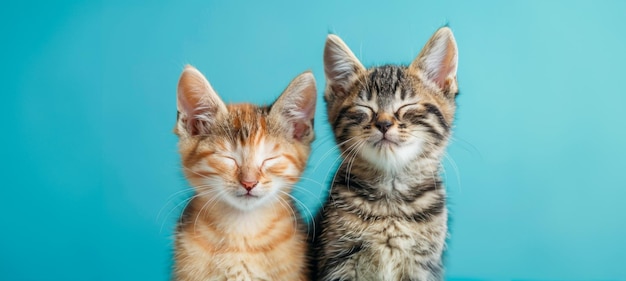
[390,156]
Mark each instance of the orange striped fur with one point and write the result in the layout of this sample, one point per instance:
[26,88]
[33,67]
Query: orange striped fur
[242,160]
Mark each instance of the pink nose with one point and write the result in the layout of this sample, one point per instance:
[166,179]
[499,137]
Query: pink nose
[249,185]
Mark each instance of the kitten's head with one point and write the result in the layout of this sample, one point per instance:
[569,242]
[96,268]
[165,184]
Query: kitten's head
[390,115]
[243,155]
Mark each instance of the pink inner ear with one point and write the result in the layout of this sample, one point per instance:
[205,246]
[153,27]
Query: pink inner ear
[446,68]
[300,130]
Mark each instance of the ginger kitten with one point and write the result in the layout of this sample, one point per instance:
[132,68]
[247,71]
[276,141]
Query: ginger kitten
[386,217]
[242,161]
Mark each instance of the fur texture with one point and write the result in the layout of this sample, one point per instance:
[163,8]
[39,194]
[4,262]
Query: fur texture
[386,218]
[242,160]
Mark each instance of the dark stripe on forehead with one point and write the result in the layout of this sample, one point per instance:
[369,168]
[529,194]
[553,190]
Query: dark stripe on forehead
[399,76]
[386,81]
[248,121]
[398,81]
[373,83]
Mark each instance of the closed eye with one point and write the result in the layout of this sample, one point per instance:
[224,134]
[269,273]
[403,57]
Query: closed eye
[268,160]
[368,107]
[358,117]
[397,114]
[232,159]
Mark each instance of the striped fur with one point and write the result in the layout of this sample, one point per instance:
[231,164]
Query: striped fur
[242,160]
[386,216]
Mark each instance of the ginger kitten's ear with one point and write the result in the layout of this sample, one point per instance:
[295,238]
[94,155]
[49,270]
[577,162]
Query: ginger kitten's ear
[296,107]
[341,67]
[198,104]
[437,62]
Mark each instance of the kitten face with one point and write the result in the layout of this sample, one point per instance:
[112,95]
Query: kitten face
[244,165]
[382,117]
[244,155]
[389,115]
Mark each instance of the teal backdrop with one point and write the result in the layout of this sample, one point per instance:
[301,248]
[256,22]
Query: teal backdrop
[91,181]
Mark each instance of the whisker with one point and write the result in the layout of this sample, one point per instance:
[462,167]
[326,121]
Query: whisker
[465,144]
[186,202]
[322,141]
[312,180]
[171,197]
[212,202]
[300,188]
[201,175]
[351,158]
[305,208]
[334,148]
[351,149]
[455,167]
[287,206]
[343,159]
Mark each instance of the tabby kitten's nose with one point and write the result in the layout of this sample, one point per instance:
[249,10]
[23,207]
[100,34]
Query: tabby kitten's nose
[383,125]
[249,185]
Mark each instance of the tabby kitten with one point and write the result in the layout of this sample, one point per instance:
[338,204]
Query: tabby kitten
[242,161]
[386,216]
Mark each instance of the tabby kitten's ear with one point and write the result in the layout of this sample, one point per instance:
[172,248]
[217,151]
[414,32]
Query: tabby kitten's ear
[341,67]
[295,108]
[437,62]
[199,106]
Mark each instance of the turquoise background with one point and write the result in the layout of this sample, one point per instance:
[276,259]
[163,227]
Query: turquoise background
[90,172]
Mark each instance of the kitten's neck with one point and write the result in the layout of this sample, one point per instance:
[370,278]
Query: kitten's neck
[419,170]
[234,220]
